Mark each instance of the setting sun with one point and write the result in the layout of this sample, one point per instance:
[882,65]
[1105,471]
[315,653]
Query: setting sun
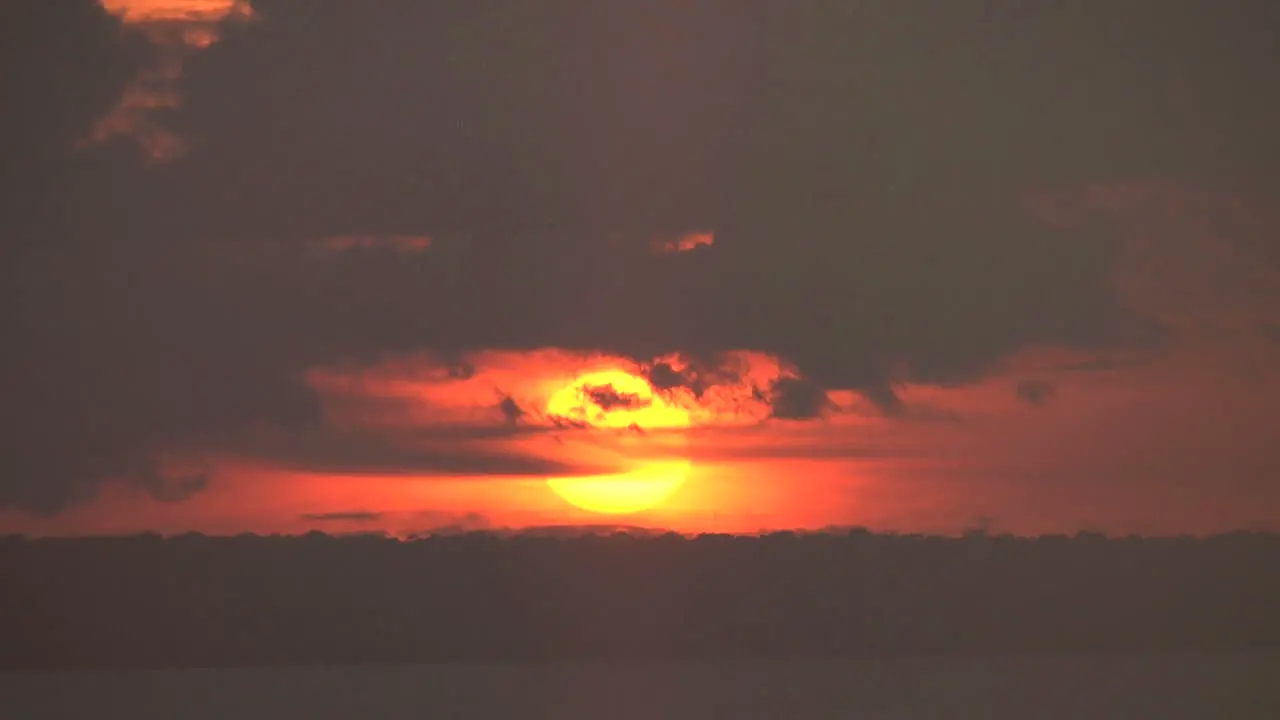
[624,493]
[642,431]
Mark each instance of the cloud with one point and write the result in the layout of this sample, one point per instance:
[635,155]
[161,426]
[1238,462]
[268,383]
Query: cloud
[436,522]
[700,374]
[864,237]
[424,453]
[511,411]
[884,399]
[410,406]
[798,399]
[176,29]
[402,244]
[664,377]
[1190,258]
[358,516]
[609,398]
[63,81]
[1034,391]
[177,11]
[685,243]
[169,483]
[831,441]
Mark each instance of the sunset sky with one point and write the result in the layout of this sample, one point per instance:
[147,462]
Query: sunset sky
[729,265]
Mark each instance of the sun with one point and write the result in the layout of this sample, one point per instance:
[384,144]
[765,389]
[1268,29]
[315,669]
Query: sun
[631,425]
[624,493]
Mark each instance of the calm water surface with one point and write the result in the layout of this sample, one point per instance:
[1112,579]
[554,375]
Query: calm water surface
[1030,688]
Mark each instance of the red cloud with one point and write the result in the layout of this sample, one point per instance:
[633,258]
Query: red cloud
[177,28]
[403,244]
[685,243]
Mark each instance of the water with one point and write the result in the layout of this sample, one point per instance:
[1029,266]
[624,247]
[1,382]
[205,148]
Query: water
[1032,688]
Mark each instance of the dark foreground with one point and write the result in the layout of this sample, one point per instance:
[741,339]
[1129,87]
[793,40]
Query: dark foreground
[1013,688]
[194,601]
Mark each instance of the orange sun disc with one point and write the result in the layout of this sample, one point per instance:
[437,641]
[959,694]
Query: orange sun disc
[625,405]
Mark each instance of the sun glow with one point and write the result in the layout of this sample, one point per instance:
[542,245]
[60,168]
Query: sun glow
[624,493]
[614,399]
[643,433]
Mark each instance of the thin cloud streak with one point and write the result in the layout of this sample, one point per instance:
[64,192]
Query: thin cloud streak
[685,243]
[400,244]
[356,516]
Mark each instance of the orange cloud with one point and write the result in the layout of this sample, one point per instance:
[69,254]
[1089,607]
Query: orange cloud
[1165,439]
[685,243]
[182,11]
[176,28]
[468,389]
[1155,440]
[483,434]
[402,244]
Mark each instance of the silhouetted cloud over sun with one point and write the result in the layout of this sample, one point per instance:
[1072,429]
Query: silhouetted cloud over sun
[276,264]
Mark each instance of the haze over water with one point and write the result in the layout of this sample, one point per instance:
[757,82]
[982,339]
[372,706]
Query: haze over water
[1038,688]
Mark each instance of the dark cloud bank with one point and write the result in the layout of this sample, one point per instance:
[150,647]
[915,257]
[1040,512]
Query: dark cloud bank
[207,602]
[859,164]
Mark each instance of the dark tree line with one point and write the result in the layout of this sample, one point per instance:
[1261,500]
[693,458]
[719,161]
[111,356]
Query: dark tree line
[205,601]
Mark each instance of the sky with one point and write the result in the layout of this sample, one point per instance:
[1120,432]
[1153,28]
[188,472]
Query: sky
[726,265]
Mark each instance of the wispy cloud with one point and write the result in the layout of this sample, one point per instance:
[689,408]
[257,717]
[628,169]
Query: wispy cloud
[176,29]
[685,243]
[401,244]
